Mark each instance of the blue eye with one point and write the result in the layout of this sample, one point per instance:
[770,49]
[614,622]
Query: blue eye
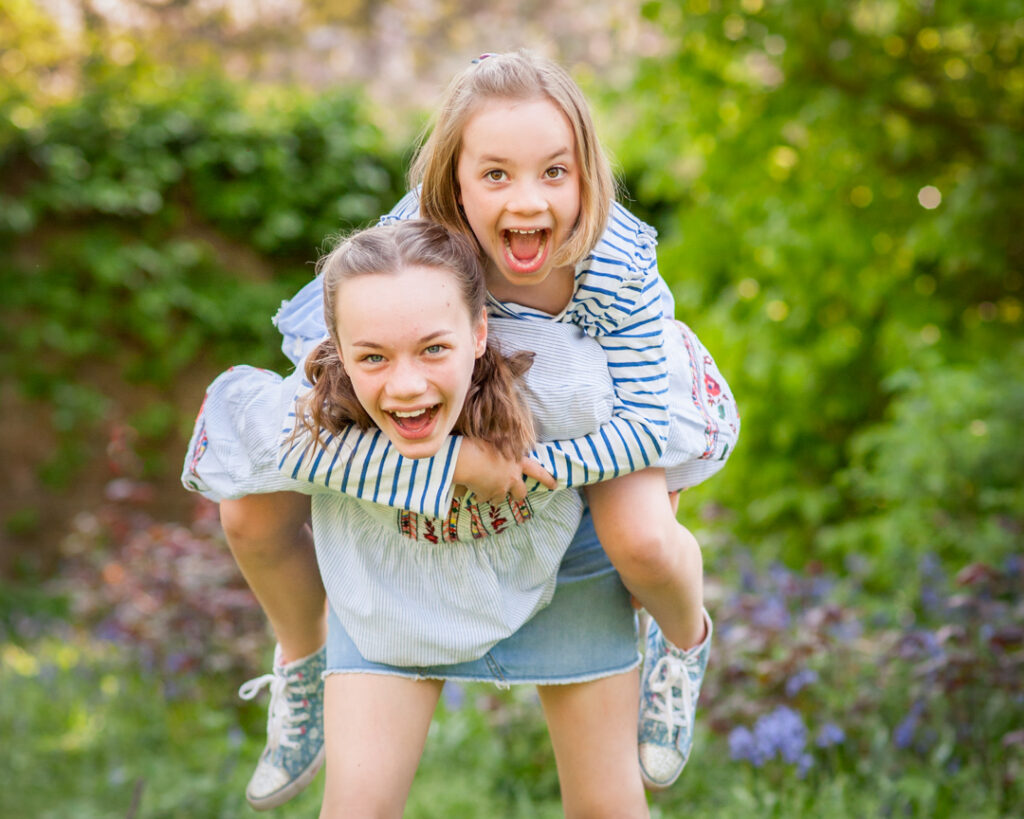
[434,349]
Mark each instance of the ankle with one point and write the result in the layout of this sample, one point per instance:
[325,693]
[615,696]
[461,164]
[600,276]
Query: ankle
[690,636]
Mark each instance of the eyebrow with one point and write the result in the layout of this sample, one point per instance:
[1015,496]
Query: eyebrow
[501,160]
[373,345]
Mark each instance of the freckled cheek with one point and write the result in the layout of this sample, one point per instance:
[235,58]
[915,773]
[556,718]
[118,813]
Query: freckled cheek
[367,391]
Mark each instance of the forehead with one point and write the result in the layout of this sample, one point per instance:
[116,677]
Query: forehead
[502,125]
[411,302]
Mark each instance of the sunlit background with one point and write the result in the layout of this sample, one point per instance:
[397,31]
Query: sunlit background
[836,188]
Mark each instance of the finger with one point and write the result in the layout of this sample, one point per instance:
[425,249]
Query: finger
[497,496]
[518,490]
[532,469]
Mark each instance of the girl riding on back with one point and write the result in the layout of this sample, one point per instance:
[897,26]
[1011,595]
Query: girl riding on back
[513,161]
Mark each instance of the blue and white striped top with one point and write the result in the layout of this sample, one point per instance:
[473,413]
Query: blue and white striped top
[620,301]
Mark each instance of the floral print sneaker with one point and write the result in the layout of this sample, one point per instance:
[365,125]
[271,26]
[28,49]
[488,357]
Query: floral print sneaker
[294,752]
[669,688]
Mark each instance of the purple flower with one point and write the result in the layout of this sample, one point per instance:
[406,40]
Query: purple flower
[743,746]
[799,681]
[903,734]
[454,695]
[830,734]
[847,631]
[771,614]
[781,734]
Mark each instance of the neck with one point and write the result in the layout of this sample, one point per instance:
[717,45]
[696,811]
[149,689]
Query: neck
[550,296]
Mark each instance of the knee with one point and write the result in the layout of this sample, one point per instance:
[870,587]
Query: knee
[650,555]
[264,526]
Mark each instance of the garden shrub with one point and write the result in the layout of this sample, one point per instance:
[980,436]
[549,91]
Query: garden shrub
[836,187]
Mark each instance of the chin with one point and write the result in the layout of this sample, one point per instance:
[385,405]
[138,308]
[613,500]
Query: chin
[415,450]
[414,453]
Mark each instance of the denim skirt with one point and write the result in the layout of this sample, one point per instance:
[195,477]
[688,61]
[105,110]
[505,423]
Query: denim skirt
[587,631]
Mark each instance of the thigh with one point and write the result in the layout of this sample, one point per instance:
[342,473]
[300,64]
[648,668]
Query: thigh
[593,732]
[375,727]
[635,494]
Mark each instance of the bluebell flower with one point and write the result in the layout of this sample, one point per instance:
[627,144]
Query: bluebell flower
[772,613]
[800,680]
[177,662]
[920,643]
[743,746]
[454,695]
[830,734]
[903,734]
[821,587]
[782,576]
[930,567]
[781,733]
[847,631]
[748,580]
[1013,565]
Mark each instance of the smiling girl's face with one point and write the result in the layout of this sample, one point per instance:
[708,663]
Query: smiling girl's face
[519,187]
[409,343]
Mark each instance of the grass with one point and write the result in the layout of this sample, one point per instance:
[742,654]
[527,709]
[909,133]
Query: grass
[118,680]
[90,735]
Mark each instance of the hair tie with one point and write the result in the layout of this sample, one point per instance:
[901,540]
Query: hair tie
[482,57]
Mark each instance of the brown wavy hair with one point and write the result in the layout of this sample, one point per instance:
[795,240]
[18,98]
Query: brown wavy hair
[494,410]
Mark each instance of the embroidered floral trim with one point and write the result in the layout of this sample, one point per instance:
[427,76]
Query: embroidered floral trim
[464,521]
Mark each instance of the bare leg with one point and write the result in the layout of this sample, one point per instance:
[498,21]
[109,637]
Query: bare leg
[658,558]
[593,732]
[273,546]
[375,728]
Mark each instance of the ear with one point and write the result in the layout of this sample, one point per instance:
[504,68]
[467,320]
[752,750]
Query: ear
[480,334]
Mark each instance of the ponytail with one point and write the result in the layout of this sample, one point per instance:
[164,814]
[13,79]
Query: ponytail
[332,402]
[495,410]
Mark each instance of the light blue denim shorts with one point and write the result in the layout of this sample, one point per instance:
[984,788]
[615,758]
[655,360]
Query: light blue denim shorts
[588,631]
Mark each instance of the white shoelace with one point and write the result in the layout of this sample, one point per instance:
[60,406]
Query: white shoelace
[284,719]
[670,673]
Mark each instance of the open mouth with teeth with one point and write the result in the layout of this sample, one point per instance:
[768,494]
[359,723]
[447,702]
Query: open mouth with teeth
[415,423]
[526,250]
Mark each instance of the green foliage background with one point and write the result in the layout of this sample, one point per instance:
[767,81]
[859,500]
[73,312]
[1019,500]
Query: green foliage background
[837,190]
[874,344]
[836,187]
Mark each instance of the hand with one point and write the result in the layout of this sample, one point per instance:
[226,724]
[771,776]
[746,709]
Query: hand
[493,477]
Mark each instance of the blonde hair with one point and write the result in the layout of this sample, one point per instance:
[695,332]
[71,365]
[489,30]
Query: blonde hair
[513,76]
[494,409]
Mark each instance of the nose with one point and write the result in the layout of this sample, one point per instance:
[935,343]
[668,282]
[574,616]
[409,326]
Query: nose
[527,198]
[406,380]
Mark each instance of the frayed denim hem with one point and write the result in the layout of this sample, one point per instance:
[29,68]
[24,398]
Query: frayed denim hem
[500,682]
